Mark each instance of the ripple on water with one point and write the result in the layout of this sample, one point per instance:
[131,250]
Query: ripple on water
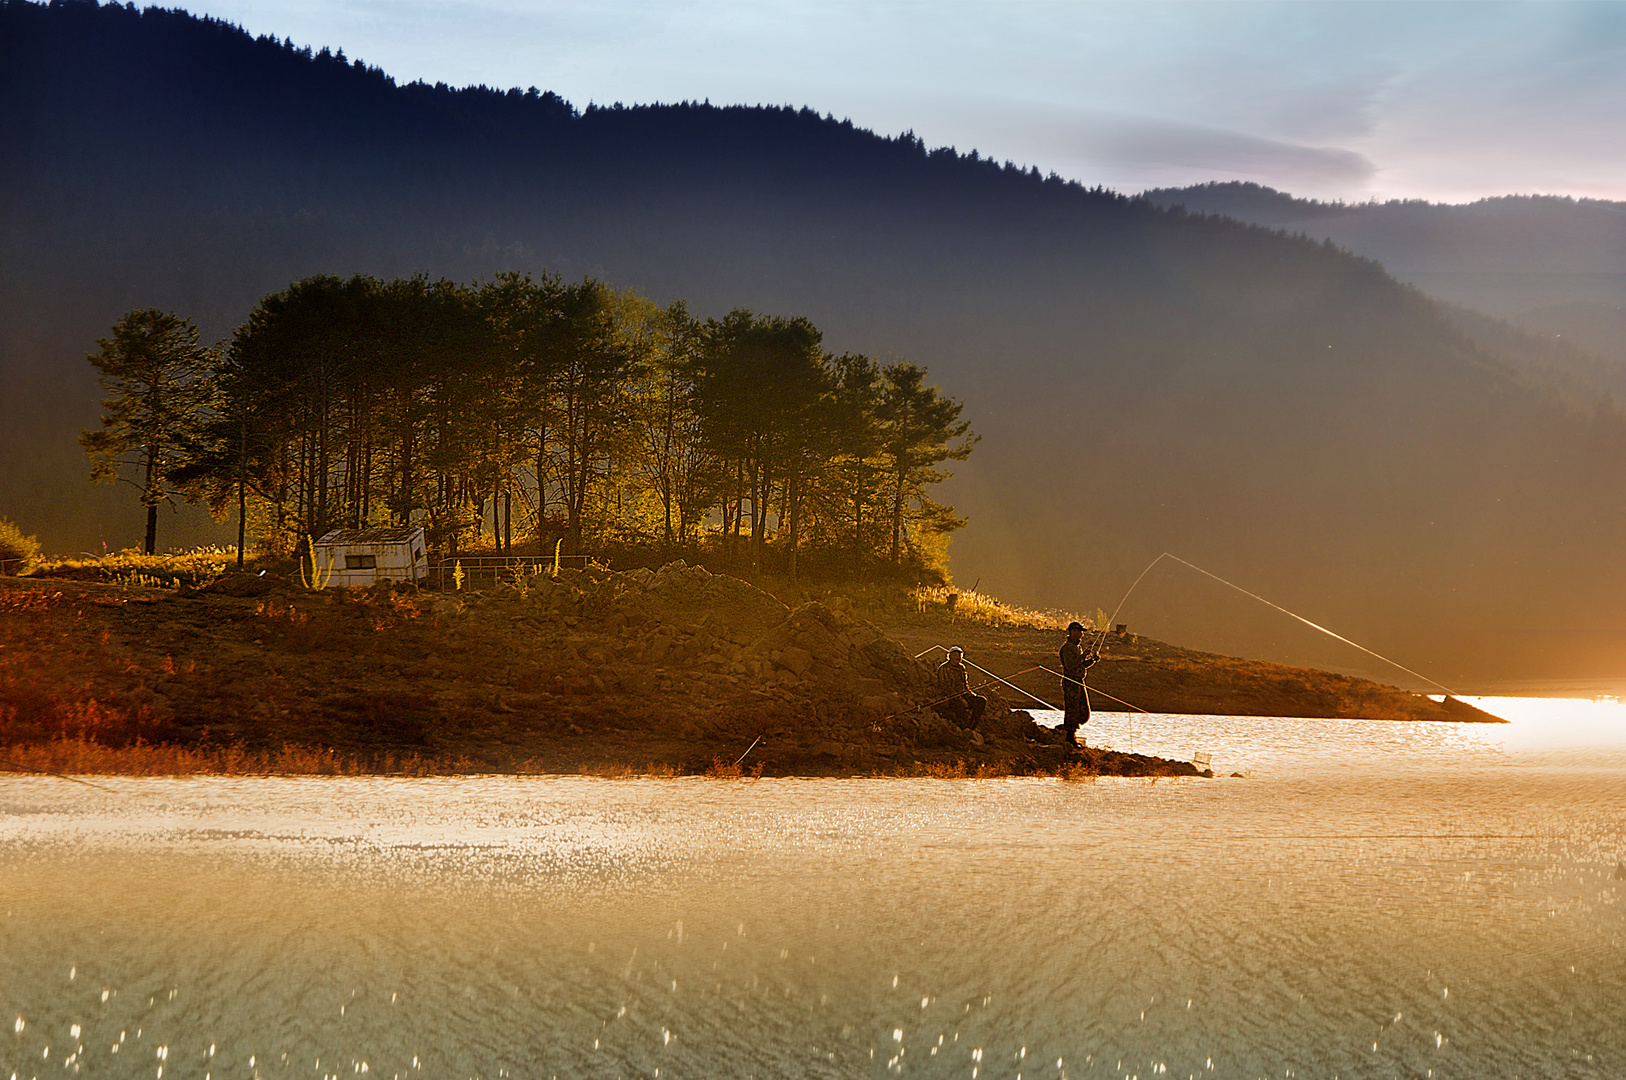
[1344,920]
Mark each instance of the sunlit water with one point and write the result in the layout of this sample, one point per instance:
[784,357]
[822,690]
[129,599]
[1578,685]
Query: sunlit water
[1373,900]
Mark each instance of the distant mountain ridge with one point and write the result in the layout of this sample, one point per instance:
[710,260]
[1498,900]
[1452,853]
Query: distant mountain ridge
[1553,265]
[1144,379]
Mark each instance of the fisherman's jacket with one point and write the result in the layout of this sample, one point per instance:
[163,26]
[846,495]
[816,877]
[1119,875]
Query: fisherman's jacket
[951,678]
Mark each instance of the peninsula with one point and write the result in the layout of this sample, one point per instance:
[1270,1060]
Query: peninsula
[664,671]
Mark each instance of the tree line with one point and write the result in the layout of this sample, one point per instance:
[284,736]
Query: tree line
[532,410]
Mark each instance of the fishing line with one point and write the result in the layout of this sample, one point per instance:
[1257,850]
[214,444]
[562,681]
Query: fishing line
[1268,603]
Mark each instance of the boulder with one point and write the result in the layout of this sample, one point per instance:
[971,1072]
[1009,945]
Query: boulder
[797,659]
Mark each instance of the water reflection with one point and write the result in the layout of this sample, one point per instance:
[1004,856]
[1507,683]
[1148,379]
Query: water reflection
[1332,916]
[1585,731]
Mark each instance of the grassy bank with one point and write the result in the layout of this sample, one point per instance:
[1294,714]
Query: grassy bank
[678,672]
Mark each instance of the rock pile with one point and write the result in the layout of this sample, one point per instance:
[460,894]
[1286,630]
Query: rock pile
[684,617]
[711,654]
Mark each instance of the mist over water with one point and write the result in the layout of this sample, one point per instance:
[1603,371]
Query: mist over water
[1377,899]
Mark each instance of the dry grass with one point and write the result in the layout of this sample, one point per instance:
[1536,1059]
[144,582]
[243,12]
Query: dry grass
[1077,772]
[86,757]
[195,567]
[984,610]
[654,770]
[723,770]
[955,770]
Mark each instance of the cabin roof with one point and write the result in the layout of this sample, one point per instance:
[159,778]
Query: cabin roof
[349,537]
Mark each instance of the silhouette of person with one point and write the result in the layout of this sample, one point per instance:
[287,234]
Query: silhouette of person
[1075,661]
[955,685]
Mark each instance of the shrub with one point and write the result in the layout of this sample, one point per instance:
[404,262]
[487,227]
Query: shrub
[19,554]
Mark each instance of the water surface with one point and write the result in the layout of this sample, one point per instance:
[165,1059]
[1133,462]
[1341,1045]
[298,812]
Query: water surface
[1373,900]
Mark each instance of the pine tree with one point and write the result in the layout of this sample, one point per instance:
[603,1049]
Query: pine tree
[154,370]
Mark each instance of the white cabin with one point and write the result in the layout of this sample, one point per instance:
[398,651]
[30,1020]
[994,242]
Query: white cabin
[363,557]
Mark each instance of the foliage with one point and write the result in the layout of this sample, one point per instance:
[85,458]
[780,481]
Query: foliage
[572,415]
[984,610]
[19,554]
[193,567]
[153,370]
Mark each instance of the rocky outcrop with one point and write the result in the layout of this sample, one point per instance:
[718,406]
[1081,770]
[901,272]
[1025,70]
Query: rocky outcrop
[685,619]
[674,668]
[812,689]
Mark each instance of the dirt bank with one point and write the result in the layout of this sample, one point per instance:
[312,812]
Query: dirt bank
[679,671]
[674,670]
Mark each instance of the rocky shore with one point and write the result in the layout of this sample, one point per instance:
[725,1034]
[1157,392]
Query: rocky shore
[674,670]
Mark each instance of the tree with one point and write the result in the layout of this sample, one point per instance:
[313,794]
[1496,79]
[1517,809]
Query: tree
[154,370]
[608,342]
[857,442]
[344,403]
[680,469]
[920,429]
[759,383]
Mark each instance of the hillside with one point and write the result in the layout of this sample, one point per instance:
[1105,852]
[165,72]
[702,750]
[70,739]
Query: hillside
[593,671]
[1273,408]
[676,671]
[1554,266]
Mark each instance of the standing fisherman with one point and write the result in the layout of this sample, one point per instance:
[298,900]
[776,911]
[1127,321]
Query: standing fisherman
[1075,661]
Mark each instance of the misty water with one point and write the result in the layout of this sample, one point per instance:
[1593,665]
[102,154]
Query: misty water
[1371,900]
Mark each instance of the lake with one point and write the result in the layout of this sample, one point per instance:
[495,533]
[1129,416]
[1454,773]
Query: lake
[1369,900]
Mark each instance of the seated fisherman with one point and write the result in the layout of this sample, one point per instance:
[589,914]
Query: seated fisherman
[959,704]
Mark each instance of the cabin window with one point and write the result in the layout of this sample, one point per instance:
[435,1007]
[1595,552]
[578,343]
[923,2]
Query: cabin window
[361,562]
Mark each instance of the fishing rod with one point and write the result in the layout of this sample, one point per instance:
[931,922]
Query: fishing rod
[1268,603]
[1096,689]
[994,677]
[934,704]
[59,776]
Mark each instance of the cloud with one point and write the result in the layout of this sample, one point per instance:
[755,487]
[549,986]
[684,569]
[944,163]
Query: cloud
[1163,146]
[1131,153]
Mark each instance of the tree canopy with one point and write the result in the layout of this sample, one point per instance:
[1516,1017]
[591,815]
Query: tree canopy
[543,410]
[154,370]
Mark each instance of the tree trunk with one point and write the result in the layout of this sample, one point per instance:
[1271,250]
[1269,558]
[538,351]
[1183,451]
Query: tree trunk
[151,543]
[242,497]
[793,495]
[897,522]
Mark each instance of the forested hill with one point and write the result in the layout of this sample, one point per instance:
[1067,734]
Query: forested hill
[1271,408]
[1553,265]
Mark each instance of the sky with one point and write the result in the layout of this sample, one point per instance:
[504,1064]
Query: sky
[1441,101]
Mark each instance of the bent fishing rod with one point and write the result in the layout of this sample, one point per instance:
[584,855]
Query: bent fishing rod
[1268,603]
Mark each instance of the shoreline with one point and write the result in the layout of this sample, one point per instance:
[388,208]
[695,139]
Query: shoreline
[75,759]
[670,672]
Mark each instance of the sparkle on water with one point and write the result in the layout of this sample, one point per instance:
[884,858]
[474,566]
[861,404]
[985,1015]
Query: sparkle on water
[1373,899]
